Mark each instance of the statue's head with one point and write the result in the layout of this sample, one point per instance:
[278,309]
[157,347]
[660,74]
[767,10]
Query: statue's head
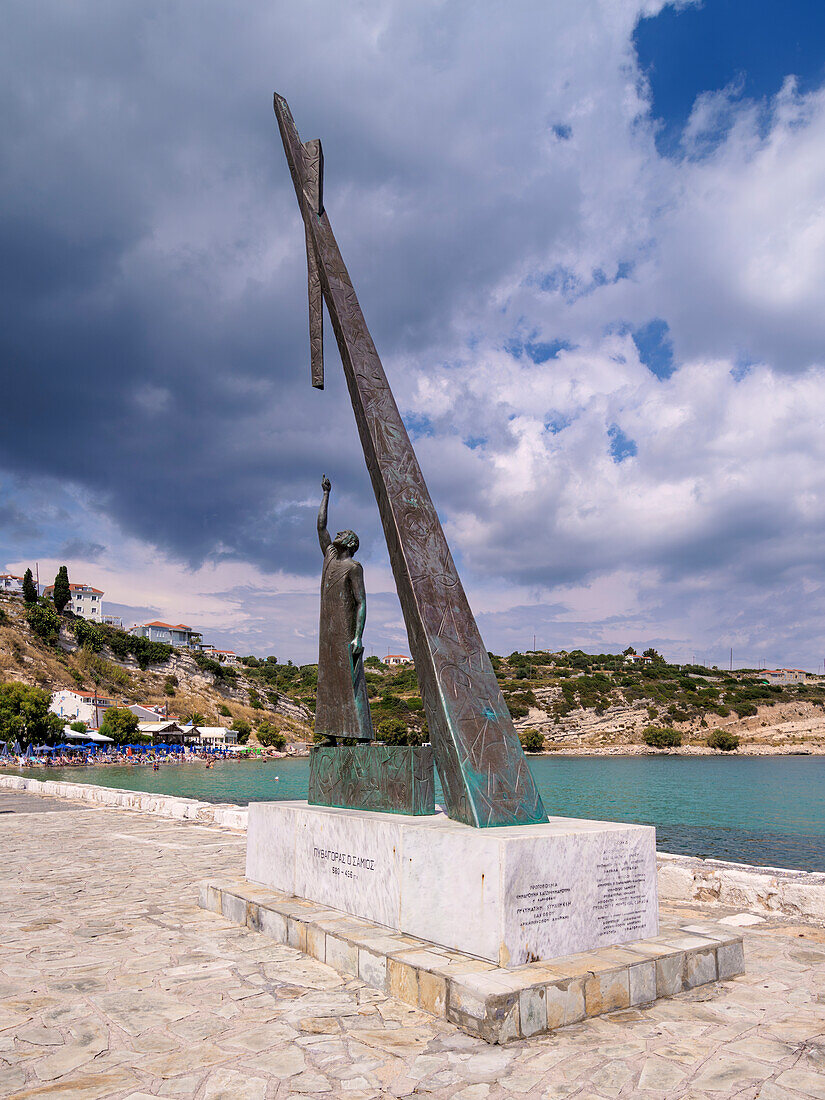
[346,540]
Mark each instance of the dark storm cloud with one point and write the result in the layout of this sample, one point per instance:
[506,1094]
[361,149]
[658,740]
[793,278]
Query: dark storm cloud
[152,292]
[493,181]
[81,548]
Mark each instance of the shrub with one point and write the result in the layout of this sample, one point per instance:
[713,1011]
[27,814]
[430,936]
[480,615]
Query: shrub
[722,739]
[44,621]
[532,741]
[659,737]
[395,731]
[255,700]
[270,737]
[78,726]
[224,710]
[517,710]
[745,710]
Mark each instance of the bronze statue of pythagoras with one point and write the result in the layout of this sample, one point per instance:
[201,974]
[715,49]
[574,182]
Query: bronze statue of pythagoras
[342,708]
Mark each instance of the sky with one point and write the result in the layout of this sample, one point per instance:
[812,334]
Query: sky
[588,238]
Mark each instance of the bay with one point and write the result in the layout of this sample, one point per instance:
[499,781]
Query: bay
[766,810]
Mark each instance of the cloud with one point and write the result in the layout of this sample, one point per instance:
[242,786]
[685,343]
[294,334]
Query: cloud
[611,360]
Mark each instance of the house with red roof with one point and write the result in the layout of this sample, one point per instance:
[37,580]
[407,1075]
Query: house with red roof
[176,634]
[85,600]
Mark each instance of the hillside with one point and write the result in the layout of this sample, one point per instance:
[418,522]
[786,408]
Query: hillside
[90,657]
[597,703]
[577,702]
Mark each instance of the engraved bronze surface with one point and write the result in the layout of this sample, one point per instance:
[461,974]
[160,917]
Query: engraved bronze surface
[483,769]
[396,779]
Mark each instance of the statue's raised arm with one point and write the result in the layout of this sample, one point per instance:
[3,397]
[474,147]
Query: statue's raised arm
[323,534]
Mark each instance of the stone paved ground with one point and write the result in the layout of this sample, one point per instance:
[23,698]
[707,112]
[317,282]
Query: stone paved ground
[114,984]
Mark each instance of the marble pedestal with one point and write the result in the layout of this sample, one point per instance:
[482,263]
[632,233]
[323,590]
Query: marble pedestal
[510,895]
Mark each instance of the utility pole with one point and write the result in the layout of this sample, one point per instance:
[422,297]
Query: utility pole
[731,658]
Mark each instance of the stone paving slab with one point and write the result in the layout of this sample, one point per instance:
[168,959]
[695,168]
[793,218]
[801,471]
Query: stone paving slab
[115,984]
[21,802]
[494,1003]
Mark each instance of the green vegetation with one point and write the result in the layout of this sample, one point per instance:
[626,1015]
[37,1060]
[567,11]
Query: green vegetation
[395,731]
[243,730]
[722,739]
[62,593]
[94,636]
[220,671]
[44,621]
[531,740]
[270,737]
[121,725]
[78,726]
[25,716]
[659,737]
[29,587]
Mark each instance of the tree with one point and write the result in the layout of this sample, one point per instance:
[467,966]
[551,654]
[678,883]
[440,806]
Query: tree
[120,724]
[25,715]
[243,729]
[61,593]
[629,652]
[196,718]
[653,655]
[395,731]
[270,737]
[78,726]
[29,587]
[531,740]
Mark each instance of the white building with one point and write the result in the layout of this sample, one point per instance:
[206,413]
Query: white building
[84,706]
[637,658]
[85,600]
[11,585]
[216,736]
[148,714]
[180,635]
[225,656]
[393,659]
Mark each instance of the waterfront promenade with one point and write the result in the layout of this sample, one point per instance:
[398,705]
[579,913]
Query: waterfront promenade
[113,983]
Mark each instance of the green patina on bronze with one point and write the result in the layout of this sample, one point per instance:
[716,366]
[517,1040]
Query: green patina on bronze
[395,779]
[484,773]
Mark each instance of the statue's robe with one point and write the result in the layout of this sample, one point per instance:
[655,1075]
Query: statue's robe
[342,707]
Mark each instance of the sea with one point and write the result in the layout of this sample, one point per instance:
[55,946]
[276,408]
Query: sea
[764,810]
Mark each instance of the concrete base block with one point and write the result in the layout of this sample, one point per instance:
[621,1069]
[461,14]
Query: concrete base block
[516,894]
[497,1004]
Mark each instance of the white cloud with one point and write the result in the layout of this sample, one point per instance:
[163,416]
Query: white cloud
[493,180]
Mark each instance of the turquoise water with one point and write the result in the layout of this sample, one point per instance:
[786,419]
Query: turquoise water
[764,810]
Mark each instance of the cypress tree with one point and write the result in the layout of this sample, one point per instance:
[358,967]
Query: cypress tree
[62,593]
[29,587]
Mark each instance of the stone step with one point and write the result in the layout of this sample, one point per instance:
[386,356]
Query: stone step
[494,1003]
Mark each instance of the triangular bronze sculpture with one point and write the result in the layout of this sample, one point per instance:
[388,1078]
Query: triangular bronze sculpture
[483,769]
